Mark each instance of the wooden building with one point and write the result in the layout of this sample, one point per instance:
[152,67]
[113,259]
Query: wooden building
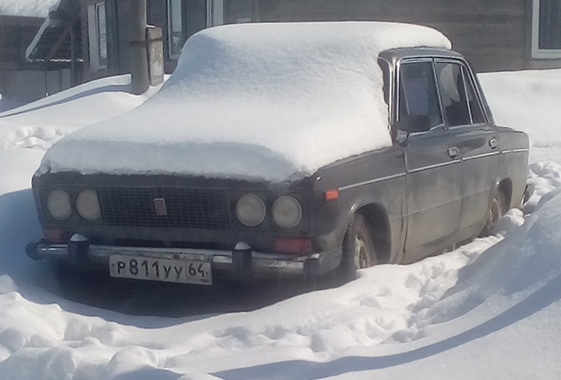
[20,80]
[493,34]
[92,35]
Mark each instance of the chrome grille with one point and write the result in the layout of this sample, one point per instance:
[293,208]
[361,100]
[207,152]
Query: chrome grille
[196,208]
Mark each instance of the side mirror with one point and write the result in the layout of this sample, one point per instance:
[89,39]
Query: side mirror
[402,138]
[413,123]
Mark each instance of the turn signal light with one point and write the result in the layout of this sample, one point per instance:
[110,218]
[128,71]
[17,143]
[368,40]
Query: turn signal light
[331,195]
[299,246]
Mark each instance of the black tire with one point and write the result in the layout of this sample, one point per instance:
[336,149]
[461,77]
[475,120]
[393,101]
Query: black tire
[497,209]
[358,250]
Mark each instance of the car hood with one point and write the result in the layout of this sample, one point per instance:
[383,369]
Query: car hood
[265,101]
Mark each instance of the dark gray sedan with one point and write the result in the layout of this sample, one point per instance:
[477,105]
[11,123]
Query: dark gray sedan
[446,176]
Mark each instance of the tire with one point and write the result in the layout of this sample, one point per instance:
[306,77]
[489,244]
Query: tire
[358,250]
[497,209]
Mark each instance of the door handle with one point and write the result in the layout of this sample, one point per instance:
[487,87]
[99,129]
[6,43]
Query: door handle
[493,143]
[453,151]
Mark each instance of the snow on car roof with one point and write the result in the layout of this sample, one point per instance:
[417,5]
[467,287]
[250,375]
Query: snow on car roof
[256,101]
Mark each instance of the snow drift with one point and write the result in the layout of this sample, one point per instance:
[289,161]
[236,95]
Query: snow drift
[41,123]
[262,101]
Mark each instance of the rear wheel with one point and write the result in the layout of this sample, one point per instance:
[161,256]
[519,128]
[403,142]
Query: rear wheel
[358,250]
[496,211]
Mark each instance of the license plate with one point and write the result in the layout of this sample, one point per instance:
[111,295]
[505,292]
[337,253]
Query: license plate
[167,270]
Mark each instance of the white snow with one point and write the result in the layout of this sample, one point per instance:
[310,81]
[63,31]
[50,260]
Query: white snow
[42,123]
[7,103]
[27,8]
[530,103]
[488,310]
[264,101]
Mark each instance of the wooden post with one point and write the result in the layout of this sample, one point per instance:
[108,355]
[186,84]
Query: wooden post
[138,56]
[73,80]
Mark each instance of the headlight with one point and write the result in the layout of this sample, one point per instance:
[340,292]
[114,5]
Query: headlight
[87,205]
[287,212]
[251,210]
[58,204]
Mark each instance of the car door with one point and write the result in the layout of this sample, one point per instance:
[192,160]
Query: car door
[434,178]
[477,142]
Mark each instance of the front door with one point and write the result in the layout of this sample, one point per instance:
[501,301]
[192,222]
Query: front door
[434,178]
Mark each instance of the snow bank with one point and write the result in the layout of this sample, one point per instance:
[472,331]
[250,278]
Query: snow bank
[262,101]
[7,104]
[528,101]
[40,124]
[27,8]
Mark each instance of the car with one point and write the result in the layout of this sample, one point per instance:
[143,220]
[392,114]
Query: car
[285,150]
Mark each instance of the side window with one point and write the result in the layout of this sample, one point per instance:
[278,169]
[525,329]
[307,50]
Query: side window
[418,100]
[97,35]
[474,105]
[453,93]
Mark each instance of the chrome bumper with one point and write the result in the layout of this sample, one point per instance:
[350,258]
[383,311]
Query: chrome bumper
[242,262]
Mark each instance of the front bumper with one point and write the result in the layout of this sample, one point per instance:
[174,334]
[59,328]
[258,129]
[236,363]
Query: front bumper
[241,263]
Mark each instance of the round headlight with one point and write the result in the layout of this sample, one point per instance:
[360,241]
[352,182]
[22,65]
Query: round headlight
[251,210]
[287,212]
[87,205]
[58,204]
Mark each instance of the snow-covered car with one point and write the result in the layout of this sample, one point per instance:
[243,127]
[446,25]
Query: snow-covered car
[285,149]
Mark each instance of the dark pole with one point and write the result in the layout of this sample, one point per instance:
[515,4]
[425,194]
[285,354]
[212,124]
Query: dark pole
[138,56]
[73,81]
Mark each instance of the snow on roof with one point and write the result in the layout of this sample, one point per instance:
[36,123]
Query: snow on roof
[27,8]
[265,101]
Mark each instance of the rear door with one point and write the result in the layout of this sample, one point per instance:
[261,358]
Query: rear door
[477,142]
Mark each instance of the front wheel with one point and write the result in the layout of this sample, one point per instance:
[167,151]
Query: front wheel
[358,250]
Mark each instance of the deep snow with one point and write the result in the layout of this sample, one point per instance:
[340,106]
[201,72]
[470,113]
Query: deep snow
[488,310]
[44,122]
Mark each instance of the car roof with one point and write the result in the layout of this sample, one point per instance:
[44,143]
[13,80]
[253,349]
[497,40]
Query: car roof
[394,55]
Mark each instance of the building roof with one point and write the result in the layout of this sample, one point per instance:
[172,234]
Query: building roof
[52,41]
[26,8]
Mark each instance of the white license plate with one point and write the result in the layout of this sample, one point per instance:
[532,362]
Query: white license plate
[167,270]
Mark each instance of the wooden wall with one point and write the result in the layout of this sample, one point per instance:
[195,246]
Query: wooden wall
[16,33]
[492,34]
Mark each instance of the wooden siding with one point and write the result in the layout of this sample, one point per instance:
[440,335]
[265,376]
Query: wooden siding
[16,33]
[238,11]
[493,35]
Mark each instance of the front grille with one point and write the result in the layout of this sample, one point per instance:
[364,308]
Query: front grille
[185,207]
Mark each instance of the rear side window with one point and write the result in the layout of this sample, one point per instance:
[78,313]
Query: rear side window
[474,105]
[419,109]
[453,93]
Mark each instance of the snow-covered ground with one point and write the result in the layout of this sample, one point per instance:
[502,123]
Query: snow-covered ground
[42,123]
[488,310]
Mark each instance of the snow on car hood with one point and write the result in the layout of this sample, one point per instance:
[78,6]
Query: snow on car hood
[260,101]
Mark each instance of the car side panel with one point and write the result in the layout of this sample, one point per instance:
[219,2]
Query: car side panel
[375,179]
[479,152]
[513,164]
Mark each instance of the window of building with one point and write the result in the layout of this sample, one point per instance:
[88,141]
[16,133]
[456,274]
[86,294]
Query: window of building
[186,17]
[97,36]
[546,29]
